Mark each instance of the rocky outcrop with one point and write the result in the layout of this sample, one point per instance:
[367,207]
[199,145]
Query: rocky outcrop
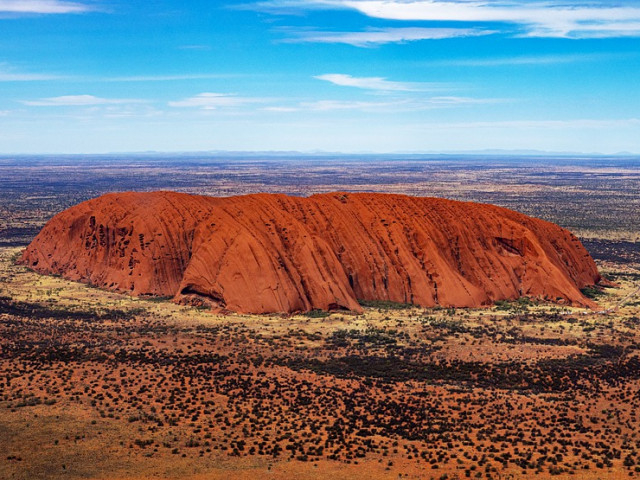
[274,253]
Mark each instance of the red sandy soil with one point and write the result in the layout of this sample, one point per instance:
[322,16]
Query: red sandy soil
[275,253]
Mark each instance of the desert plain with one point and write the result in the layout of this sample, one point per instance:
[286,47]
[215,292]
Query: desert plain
[97,384]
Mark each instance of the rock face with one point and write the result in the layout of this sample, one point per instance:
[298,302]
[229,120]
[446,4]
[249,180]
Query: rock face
[274,253]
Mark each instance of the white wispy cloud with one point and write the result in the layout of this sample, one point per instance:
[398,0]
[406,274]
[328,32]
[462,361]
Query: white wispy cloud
[451,101]
[26,77]
[540,18]
[379,36]
[395,105]
[529,60]
[281,109]
[617,29]
[542,124]
[376,83]
[128,111]
[212,101]
[333,105]
[78,101]
[9,73]
[42,7]
[535,18]
[167,78]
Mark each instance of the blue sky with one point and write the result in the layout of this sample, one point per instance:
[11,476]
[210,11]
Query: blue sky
[94,76]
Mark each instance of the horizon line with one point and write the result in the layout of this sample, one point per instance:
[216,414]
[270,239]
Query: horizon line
[311,153]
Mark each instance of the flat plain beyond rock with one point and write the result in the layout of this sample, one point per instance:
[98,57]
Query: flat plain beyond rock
[266,253]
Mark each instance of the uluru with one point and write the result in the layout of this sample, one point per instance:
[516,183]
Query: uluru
[267,253]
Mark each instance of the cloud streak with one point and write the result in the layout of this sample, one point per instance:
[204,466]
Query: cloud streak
[381,36]
[529,60]
[542,124]
[379,84]
[78,101]
[533,18]
[41,7]
[168,78]
[540,19]
[388,106]
[26,77]
[335,105]
[9,74]
[214,101]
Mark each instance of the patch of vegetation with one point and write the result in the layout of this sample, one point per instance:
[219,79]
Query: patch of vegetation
[375,337]
[37,311]
[522,304]
[622,276]
[28,401]
[605,351]
[317,314]
[15,257]
[593,292]
[449,325]
[143,443]
[550,375]
[155,299]
[632,322]
[385,304]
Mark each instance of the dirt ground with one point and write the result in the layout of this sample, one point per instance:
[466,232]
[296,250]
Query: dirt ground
[100,385]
